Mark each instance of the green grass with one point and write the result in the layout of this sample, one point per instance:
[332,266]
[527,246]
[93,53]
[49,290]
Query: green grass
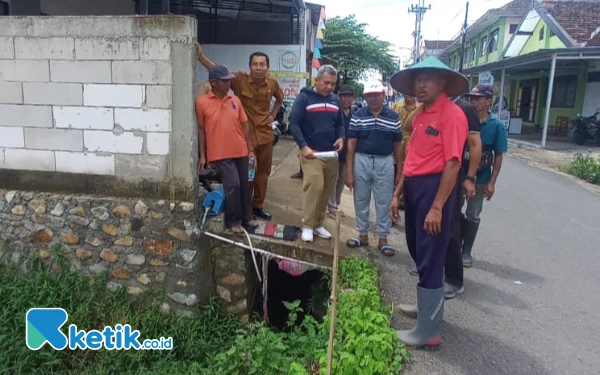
[210,343]
[584,167]
[196,340]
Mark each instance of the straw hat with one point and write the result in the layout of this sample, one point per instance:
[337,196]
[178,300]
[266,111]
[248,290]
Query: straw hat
[404,80]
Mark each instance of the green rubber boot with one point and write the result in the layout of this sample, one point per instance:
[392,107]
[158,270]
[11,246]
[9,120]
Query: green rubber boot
[426,333]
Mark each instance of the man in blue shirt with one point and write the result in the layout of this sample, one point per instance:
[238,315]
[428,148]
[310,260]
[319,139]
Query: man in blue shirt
[374,141]
[346,95]
[494,145]
[317,125]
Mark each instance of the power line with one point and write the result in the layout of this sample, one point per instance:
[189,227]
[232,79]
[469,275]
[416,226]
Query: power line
[419,9]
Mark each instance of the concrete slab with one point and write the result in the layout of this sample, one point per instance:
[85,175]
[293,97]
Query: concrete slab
[284,202]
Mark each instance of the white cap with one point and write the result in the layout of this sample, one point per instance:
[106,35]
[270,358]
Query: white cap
[374,88]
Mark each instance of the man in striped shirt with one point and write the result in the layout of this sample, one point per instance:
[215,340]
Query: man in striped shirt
[374,141]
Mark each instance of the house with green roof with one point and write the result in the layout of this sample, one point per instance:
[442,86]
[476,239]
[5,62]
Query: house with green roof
[543,55]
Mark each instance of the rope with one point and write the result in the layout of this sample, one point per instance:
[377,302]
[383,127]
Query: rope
[253,254]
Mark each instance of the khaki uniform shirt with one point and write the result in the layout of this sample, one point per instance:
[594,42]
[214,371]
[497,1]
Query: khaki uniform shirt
[203,89]
[256,99]
[403,110]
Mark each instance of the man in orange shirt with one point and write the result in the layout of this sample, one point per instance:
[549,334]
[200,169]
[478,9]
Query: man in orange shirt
[428,182]
[224,140]
[256,91]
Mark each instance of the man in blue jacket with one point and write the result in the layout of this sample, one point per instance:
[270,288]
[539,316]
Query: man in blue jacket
[317,124]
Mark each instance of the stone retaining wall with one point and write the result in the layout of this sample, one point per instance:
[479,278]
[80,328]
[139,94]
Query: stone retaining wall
[235,279]
[139,243]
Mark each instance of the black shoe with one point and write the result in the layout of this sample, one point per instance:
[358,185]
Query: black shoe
[261,213]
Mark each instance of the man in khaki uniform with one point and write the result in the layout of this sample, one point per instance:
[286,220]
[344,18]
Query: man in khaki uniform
[255,90]
[203,89]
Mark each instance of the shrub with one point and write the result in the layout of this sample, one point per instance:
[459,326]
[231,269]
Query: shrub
[210,343]
[585,167]
[364,344]
[195,340]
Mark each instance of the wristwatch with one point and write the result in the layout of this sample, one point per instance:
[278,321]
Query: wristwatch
[470,178]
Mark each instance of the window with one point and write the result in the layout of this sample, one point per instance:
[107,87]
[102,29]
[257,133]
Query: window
[564,91]
[484,42]
[552,33]
[542,33]
[4,8]
[593,77]
[493,46]
[512,28]
[474,55]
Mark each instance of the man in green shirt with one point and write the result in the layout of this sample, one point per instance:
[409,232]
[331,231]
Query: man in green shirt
[494,145]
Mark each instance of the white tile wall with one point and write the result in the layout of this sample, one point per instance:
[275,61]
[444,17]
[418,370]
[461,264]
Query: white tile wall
[113,95]
[95,118]
[86,105]
[80,71]
[149,120]
[106,141]
[45,48]
[87,163]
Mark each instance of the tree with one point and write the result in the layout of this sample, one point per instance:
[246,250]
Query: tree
[355,51]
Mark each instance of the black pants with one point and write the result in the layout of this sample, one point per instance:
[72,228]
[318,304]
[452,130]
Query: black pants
[238,205]
[428,251]
[454,266]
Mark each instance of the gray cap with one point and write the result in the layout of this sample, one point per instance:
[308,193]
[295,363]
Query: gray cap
[219,72]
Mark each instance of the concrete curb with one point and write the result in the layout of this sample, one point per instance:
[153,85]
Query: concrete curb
[523,144]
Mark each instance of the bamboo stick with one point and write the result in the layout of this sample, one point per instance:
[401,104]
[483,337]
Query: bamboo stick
[336,251]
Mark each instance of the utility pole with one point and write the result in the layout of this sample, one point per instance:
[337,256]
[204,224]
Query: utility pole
[419,9]
[464,41]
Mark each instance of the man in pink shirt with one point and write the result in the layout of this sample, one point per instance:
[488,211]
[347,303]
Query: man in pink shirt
[429,178]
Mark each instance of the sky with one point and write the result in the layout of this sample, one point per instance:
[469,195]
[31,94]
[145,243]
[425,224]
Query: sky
[389,20]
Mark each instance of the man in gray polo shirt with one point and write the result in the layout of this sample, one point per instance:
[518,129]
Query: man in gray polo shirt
[374,141]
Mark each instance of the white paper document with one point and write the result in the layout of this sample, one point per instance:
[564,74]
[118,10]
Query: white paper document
[326,155]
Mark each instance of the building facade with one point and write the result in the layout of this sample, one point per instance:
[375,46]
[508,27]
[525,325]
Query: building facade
[527,46]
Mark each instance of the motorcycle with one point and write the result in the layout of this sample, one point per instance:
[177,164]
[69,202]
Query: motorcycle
[210,178]
[279,126]
[585,128]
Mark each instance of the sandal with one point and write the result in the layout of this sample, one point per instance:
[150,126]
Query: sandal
[237,231]
[356,242]
[251,224]
[387,250]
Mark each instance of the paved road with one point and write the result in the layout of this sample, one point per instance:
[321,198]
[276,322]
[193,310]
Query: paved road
[532,300]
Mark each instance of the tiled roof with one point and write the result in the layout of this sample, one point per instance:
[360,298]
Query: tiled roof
[515,8]
[578,18]
[437,44]
[594,42]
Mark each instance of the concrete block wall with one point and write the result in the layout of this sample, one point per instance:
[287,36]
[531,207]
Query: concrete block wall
[109,97]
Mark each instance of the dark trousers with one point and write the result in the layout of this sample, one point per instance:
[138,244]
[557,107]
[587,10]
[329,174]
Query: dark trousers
[428,251]
[238,205]
[264,161]
[454,266]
